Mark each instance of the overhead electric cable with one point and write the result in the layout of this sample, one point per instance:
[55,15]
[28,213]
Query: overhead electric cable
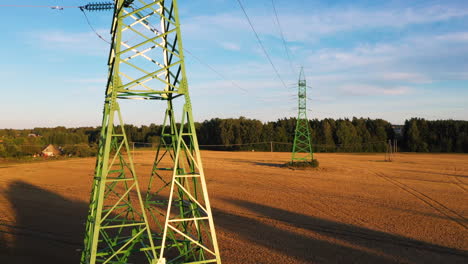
[282,37]
[202,62]
[222,76]
[53,7]
[260,43]
[215,71]
[106,6]
[88,7]
[92,28]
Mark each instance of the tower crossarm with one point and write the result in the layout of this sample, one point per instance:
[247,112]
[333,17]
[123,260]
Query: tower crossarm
[144,72]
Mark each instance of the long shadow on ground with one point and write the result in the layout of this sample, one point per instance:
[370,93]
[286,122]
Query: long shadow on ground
[49,229]
[304,248]
[269,164]
[387,248]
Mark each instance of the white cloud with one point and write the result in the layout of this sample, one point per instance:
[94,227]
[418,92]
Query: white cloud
[370,90]
[89,81]
[360,56]
[454,37]
[309,25]
[230,46]
[82,42]
[417,59]
[406,77]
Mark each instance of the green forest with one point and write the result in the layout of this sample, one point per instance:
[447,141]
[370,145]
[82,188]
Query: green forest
[327,135]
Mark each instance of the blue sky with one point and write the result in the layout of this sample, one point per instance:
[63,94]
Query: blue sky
[380,59]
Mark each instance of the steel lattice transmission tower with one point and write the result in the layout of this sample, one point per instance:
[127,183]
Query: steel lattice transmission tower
[171,220]
[302,148]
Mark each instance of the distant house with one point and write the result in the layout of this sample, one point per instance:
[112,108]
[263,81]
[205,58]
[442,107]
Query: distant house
[51,151]
[398,129]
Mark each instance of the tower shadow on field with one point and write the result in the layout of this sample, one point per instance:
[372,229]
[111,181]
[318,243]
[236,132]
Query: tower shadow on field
[48,229]
[366,245]
[269,164]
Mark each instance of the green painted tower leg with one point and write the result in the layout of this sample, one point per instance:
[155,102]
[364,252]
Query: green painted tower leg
[302,148]
[172,221]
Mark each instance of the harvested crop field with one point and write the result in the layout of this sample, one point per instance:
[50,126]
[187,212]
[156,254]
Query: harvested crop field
[353,209]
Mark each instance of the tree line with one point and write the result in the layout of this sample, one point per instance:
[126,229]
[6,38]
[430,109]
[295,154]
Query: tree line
[421,135]
[327,135]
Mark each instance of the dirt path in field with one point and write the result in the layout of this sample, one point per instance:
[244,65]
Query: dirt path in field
[353,209]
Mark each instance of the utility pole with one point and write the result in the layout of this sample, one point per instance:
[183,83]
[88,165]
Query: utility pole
[302,148]
[389,151]
[171,222]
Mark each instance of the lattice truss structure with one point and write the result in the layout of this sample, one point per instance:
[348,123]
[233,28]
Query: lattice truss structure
[302,148]
[167,218]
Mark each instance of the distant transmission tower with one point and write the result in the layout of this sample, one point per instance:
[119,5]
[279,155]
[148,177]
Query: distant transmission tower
[302,148]
[172,222]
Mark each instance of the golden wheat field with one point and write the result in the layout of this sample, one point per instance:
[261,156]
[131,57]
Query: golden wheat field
[353,209]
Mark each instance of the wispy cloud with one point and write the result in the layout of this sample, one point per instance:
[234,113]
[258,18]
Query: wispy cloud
[370,90]
[87,43]
[406,77]
[88,81]
[357,56]
[308,25]
[415,59]
[454,37]
[230,46]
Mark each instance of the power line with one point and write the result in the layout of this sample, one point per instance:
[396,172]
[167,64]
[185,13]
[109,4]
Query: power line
[200,60]
[340,145]
[260,43]
[187,51]
[52,7]
[215,71]
[282,37]
[222,76]
[89,7]
[205,64]
[92,28]
[103,6]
